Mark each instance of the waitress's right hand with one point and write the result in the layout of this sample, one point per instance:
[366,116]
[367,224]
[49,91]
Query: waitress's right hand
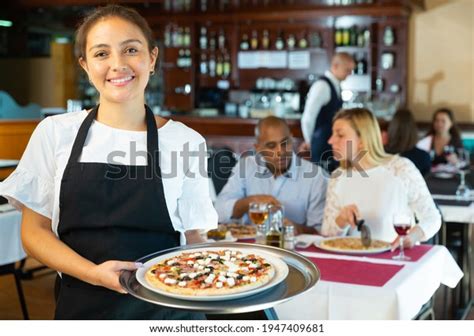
[107,274]
[346,216]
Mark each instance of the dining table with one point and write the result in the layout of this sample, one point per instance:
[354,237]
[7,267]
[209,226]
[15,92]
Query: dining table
[458,214]
[372,286]
[11,249]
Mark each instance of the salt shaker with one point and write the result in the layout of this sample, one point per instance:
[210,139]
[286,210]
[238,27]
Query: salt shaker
[289,237]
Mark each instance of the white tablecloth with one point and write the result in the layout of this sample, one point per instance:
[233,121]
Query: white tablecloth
[459,214]
[11,249]
[400,298]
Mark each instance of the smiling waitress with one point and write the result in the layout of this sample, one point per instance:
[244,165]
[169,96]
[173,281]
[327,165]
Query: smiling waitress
[90,204]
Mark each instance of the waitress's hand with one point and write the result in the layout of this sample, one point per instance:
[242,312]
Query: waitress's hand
[346,216]
[107,274]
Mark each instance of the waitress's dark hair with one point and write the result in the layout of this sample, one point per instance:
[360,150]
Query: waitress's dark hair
[402,132]
[453,131]
[101,13]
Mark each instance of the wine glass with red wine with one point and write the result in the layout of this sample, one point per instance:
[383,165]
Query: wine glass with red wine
[402,224]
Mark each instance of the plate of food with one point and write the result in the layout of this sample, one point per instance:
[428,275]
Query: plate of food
[352,245]
[212,274]
[220,234]
[242,231]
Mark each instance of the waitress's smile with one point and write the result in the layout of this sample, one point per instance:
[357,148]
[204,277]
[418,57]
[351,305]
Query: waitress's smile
[121,81]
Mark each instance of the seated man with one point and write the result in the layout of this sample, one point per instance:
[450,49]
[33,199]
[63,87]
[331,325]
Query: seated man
[275,175]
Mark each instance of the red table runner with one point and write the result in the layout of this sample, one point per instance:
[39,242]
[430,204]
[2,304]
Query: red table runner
[414,253]
[355,272]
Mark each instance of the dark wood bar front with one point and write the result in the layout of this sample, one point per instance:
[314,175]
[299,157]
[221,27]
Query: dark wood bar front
[235,133]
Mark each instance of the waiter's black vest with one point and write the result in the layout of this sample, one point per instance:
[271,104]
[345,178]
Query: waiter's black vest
[321,151]
[328,111]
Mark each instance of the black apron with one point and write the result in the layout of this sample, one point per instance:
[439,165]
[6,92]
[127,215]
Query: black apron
[113,212]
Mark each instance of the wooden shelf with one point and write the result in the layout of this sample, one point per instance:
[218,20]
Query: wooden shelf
[280,14]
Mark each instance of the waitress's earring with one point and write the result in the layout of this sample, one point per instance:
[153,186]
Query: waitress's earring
[152,72]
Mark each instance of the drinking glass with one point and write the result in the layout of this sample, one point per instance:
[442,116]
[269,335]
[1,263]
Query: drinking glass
[463,192]
[402,223]
[258,214]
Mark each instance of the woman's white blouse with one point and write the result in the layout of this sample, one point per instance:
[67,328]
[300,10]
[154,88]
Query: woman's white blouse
[36,181]
[379,193]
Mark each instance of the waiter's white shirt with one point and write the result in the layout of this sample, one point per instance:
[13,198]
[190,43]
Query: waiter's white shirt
[36,181]
[319,95]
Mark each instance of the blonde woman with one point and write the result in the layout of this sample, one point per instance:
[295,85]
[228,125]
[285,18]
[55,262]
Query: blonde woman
[374,185]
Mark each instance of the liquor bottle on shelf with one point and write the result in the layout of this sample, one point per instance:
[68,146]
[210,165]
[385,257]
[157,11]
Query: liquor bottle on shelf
[180,37]
[174,36]
[379,84]
[254,40]
[353,36]
[388,36]
[203,65]
[180,61]
[360,38]
[338,37]
[189,60]
[212,41]
[244,43]
[346,37]
[315,40]
[203,6]
[227,65]
[187,37]
[167,36]
[279,42]
[366,37]
[212,65]
[187,5]
[265,40]
[291,41]
[221,39]
[361,66]
[303,42]
[203,38]
[219,66]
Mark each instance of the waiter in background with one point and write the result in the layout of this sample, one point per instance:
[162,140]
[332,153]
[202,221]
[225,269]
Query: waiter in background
[322,103]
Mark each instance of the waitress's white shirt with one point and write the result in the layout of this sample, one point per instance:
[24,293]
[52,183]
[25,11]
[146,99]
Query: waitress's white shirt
[36,181]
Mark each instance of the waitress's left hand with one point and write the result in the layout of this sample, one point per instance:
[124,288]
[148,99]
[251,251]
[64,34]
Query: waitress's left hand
[107,274]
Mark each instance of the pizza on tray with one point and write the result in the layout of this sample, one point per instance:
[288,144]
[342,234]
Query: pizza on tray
[210,273]
[352,244]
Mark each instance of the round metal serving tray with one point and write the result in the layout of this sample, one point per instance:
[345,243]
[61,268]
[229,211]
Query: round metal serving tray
[302,276]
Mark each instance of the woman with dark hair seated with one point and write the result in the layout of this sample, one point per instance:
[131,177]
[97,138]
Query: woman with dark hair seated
[443,139]
[402,139]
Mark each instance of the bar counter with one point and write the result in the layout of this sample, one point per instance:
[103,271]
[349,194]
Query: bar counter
[233,132]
